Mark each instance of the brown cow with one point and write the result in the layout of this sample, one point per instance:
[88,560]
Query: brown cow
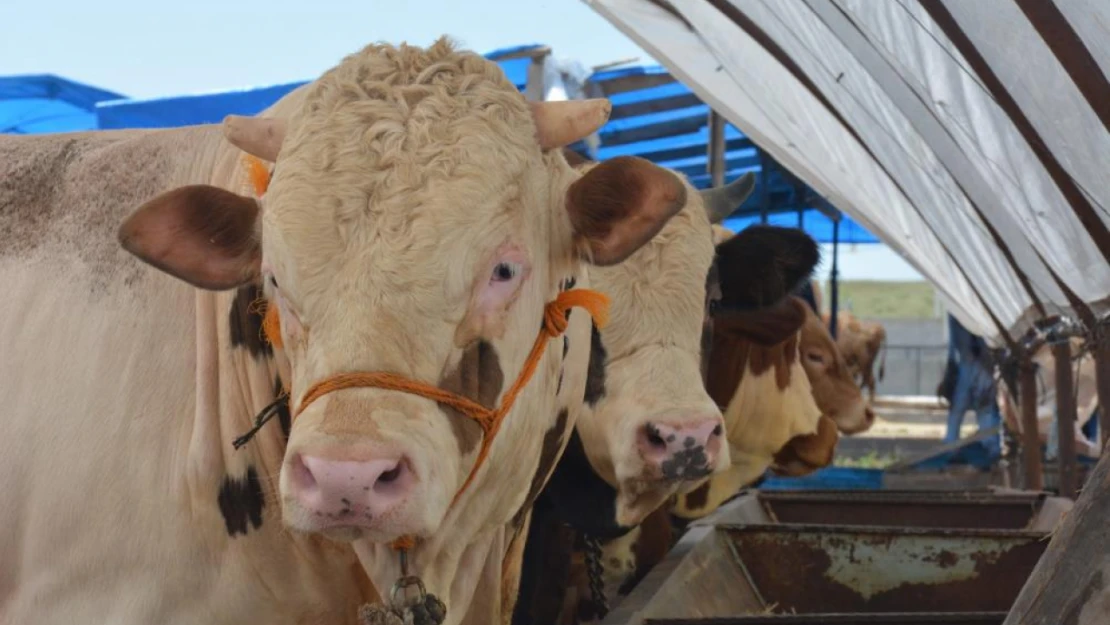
[861,343]
[1086,395]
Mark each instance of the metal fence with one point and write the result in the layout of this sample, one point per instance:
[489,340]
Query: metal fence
[912,369]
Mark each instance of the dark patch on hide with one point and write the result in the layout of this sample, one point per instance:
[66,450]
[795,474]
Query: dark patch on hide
[697,498]
[241,501]
[546,568]
[245,323]
[583,500]
[478,377]
[549,455]
[712,298]
[283,414]
[595,373]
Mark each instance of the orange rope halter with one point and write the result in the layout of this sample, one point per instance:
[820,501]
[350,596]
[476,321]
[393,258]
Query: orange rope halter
[554,324]
[555,320]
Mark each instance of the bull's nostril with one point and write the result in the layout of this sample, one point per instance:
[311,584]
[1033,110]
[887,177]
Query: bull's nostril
[390,475]
[654,438]
[302,474]
[717,430]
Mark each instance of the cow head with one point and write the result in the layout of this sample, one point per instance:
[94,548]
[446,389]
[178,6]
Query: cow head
[834,388]
[418,220]
[649,428]
[755,371]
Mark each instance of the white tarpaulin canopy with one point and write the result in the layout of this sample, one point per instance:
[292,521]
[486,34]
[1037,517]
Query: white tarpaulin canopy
[971,136]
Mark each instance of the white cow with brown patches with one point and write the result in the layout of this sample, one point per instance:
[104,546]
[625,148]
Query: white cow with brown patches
[418,221]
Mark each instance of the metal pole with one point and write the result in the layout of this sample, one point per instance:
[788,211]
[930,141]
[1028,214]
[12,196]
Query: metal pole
[764,185]
[1065,418]
[1030,436]
[834,288]
[716,149]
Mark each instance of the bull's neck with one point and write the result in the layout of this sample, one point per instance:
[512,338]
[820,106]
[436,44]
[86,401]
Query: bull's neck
[236,378]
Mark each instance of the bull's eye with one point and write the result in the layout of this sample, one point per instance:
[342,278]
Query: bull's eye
[505,271]
[273,282]
[816,357]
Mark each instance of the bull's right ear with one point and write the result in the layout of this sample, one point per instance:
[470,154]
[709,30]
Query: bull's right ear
[619,205]
[204,235]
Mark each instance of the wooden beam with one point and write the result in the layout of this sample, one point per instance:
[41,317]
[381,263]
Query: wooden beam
[1031,439]
[1065,418]
[1068,584]
[716,149]
[1102,383]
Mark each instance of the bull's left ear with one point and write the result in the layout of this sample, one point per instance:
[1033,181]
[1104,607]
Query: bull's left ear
[619,205]
[204,235]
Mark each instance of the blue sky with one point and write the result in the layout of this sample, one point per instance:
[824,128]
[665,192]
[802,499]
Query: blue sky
[152,48]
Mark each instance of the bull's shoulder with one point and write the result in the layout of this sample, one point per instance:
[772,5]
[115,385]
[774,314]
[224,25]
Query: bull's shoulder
[66,194]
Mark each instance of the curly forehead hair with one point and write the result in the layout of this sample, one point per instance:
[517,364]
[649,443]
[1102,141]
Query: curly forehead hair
[406,83]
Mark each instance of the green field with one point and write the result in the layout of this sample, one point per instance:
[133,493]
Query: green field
[884,300]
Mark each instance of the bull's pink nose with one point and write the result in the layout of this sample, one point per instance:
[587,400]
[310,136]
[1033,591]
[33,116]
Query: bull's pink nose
[686,450]
[351,492]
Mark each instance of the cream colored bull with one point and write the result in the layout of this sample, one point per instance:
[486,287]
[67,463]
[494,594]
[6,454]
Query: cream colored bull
[418,221]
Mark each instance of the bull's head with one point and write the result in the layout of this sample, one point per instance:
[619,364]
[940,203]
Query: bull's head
[655,431]
[834,388]
[418,219]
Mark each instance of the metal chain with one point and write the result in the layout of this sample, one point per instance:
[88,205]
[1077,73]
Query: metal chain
[594,570]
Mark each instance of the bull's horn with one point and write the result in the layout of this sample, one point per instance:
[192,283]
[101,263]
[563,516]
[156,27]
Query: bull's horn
[720,202]
[562,123]
[259,136]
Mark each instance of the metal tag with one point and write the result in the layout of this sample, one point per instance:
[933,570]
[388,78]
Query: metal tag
[422,609]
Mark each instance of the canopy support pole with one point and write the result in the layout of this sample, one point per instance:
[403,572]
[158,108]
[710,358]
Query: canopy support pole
[1065,418]
[1030,436]
[716,149]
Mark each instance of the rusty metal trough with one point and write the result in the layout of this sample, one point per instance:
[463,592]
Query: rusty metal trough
[1035,511]
[959,618]
[745,565]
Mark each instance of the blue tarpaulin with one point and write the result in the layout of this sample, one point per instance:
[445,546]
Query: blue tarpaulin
[187,110]
[45,103]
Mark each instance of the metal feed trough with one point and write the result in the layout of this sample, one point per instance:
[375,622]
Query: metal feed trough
[744,565]
[1014,510]
[961,618]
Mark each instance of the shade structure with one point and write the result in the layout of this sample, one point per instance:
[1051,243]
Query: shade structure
[969,136]
[660,119]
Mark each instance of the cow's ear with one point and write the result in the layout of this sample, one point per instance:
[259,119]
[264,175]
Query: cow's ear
[763,264]
[765,327]
[204,235]
[806,453]
[620,204]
